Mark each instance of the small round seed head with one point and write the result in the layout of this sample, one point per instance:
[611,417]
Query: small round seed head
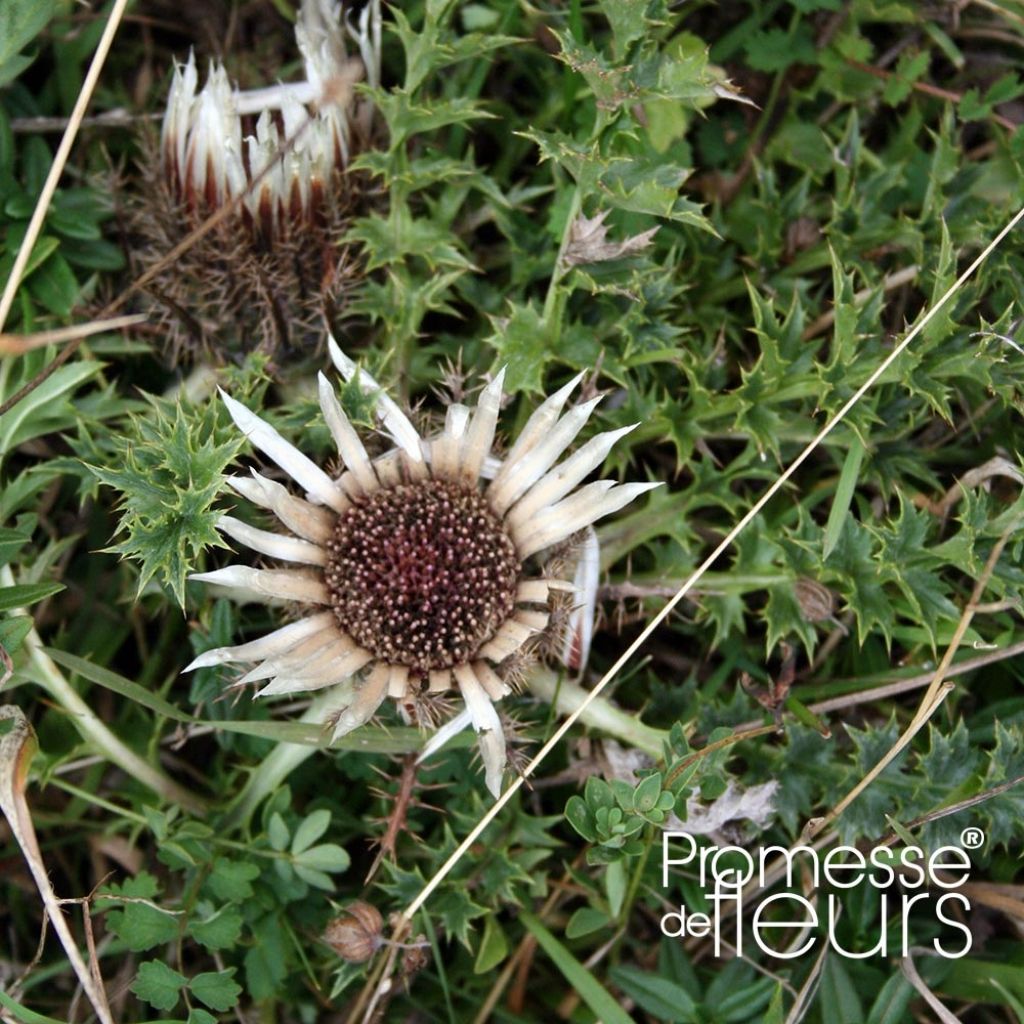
[357,934]
[816,601]
[421,574]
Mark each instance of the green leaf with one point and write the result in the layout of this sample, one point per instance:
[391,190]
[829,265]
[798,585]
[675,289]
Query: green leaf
[578,815]
[861,580]
[11,542]
[23,1013]
[585,921]
[158,984]
[804,146]
[310,829]
[521,341]
[55,286]
[493,946]
[457,912]
[647,793]
[277,832]
[911,66]
[216,989]
[664,999]
[776,1012]
[434,46]
[13,67]
[13,632]
[839,994]
[314,877]
[229,879]
[142,927]
[627,20]
[582,981]
[20,22]
[118,684]
[390,240]
[47,408]
[776,49]
[266,961]
[407,117]
[843,497]
[892,1001]
[23,594]
[611,85]
[616,884]
[170,468]
[325,857]
[219,931]
[973,979]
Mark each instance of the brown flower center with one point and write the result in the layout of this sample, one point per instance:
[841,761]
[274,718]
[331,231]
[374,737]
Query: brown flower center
[421,574]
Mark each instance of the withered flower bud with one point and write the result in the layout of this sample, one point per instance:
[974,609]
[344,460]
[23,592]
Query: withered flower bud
[816,601]
[357,934]
[273,164]
[415,957]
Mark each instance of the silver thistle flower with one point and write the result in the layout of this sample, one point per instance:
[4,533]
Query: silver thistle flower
[428,563]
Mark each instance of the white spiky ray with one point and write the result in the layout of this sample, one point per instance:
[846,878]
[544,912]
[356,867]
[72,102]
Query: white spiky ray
[300,656]
[486,724]
[479,433]
[533,499]
[308,521]
[543,418]
[444,733]
[201,136]
[284,584]
[563,478]
[368,698]
[288,549]
[281,640]
[553,527]
[350,447]
[580,633]
[174,133]
[398,425]
[317,483]
[524,472]
[338,671]
[562,515]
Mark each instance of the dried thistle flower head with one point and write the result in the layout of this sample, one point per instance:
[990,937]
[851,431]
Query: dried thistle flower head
[272,269]
[428,564]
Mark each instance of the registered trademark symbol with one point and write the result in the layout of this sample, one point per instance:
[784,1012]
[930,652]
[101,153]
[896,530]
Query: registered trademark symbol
[972,838]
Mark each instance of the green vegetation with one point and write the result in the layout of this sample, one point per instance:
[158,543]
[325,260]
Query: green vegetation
[726,215]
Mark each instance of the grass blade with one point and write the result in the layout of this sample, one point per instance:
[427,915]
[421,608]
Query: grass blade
[590,990]
[843,497]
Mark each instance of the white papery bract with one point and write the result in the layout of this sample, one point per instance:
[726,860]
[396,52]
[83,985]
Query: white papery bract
[301,135]
[421,570]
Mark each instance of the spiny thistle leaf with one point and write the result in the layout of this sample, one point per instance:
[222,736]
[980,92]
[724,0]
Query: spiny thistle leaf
[170,470]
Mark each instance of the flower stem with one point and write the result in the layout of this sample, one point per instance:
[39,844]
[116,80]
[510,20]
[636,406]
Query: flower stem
[566,696]
[554,300]
[284,759]
[41,670]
